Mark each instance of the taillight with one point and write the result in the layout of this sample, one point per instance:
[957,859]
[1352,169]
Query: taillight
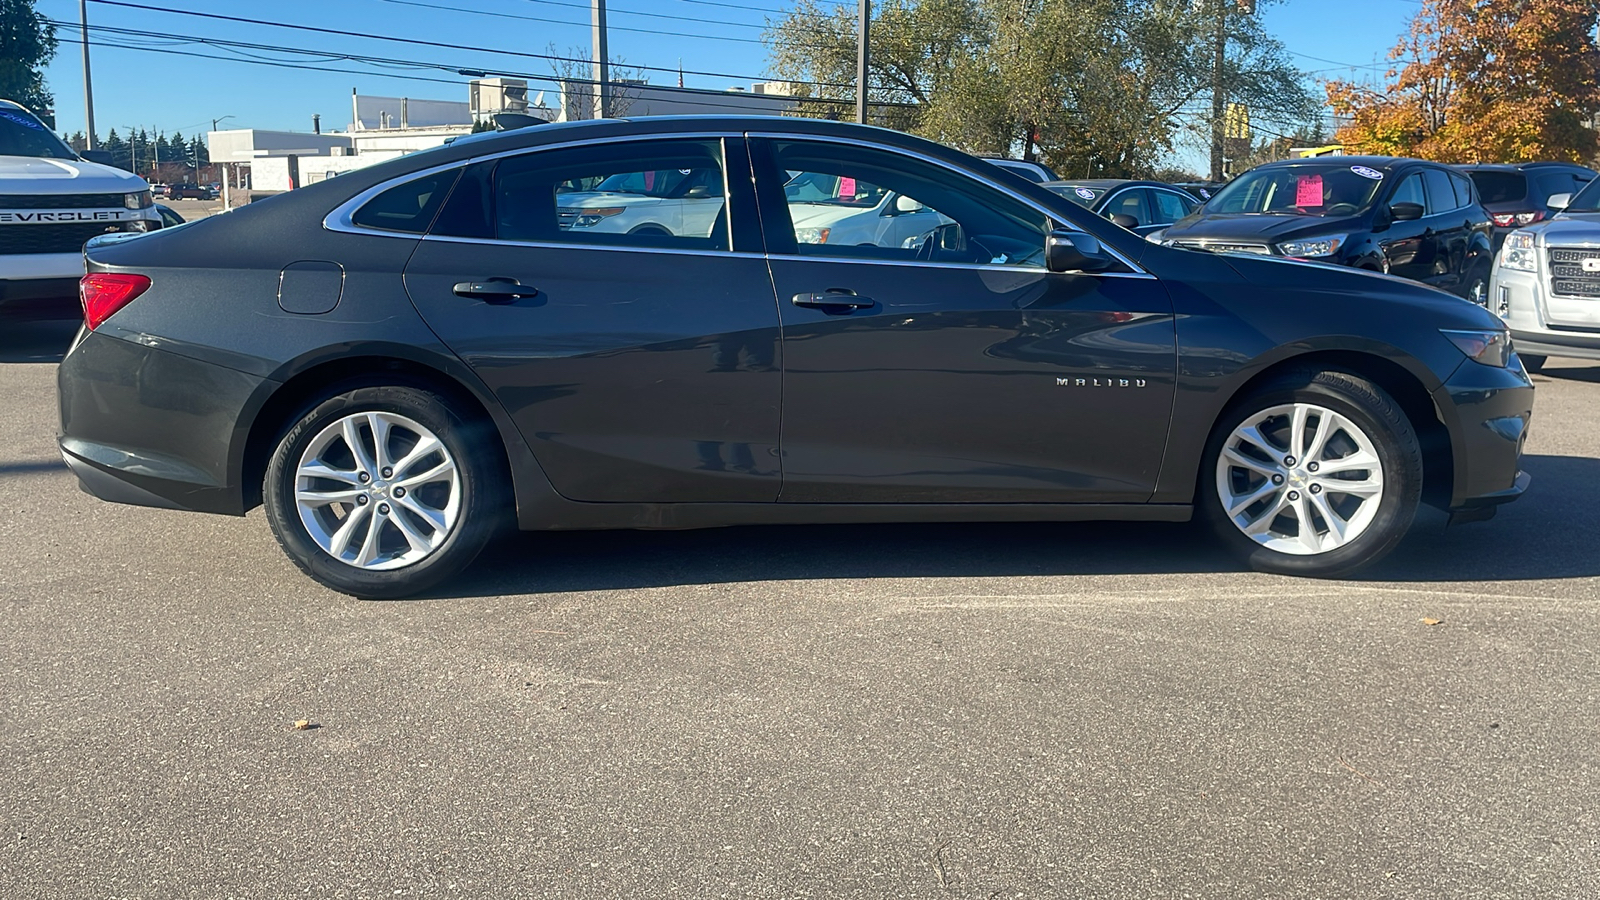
[103,293]
[1512,220]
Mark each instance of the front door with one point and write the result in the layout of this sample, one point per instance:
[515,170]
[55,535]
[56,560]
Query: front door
[640,360]
[1409,246]
[949,366]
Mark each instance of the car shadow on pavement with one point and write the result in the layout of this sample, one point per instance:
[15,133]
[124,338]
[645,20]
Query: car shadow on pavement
[1590,374]
[1553,532]
[35,340]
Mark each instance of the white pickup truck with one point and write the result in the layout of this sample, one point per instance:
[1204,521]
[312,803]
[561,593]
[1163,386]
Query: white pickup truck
[52,201]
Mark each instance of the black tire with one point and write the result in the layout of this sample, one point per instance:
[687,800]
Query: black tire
[481,505]
[1533,363]
[1394,441]
[1476,286]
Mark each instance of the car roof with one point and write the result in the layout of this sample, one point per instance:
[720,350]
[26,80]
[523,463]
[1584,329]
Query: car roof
[1372,162]
[1106,184]
[1517,167]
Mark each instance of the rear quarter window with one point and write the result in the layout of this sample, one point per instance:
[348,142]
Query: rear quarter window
[408,207]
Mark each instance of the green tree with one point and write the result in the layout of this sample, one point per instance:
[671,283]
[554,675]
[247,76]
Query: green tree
[1095,87]
[27,42]
[119,150]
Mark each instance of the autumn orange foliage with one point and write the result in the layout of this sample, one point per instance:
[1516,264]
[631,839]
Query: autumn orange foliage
[1483,81]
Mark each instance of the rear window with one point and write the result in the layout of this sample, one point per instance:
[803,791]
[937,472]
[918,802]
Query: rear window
[1500,187]
[407,207]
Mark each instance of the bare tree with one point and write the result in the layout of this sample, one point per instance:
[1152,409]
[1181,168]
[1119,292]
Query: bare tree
[575,71]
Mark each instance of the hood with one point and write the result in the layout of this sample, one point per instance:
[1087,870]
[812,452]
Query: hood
[597,200]
[1257,227]
[818,215]
[38,175]
[1569,228]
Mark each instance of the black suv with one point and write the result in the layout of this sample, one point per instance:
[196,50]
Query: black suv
[1407,217]
[1518,195]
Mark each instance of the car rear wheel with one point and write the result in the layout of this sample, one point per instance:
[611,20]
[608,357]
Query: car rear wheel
[383,492]
[1315,473]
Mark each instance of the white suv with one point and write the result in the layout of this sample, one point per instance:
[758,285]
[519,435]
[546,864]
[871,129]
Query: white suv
[1546,282]
[673,202]
[840,211]
[52,201]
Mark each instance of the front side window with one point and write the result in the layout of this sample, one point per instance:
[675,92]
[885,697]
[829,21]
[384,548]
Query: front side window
[1410,191]
[667,194]
[1129,203]
[1171,206]
[859,202]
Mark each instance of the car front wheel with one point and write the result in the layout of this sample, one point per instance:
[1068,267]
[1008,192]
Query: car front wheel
[383,492]
[1314,473]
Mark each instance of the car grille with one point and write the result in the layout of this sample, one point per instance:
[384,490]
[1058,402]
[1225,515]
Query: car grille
[1567,275]
[61,201]
[66,238]
[565,216]
[1226,247]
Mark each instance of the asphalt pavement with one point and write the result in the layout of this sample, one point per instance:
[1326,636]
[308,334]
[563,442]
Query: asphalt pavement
[952,711]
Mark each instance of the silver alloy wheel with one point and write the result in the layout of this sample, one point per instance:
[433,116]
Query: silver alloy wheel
[1300,479]
[377,491]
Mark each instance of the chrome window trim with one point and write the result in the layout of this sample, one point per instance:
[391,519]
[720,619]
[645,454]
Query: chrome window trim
[1026,201]
[340,218]
[560,245]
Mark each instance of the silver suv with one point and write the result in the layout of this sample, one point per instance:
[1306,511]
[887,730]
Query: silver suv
[1546,282]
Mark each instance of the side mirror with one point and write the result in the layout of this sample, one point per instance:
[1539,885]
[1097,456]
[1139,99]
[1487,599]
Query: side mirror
[1125,220]
[1406,212]
[904,204]
[1559,201]
[697,192]
[103,157]
[1074,251]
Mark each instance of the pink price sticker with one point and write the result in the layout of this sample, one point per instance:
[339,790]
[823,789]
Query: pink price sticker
[847,188]
[1308,191]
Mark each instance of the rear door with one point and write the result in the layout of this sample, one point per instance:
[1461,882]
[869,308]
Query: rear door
[1408,247]
[1451,223]
[633,342]
[952,367]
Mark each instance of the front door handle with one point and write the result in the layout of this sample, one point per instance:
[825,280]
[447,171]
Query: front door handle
[834,299]
[494,290]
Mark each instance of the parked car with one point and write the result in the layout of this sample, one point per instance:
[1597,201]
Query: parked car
[1518,195]
[160,191]
[169,216]
[667,202]
[1036,172]
[1139,206]
[188,192]
[52,200]
[1201,189]
[844,211]
[1405,217]
[1546,282]
[422,353]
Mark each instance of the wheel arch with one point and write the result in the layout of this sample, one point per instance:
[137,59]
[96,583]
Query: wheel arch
[1401,383]
[295,388]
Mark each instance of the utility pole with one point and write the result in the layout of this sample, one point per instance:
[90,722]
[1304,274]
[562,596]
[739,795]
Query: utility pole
[861,60]
[88,84]
[602,68]
[1219,94]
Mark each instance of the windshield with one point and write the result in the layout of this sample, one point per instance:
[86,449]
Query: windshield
[831,190]
[1083,196]
[1313,189]
[23,135]
[1586,200]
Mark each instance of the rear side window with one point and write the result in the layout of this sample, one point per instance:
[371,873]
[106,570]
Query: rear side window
[1463,186]
[1441,195]
[408,207]
[1500,187]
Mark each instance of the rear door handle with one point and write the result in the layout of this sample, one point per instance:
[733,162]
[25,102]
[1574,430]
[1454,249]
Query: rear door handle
[494,290]
[834,299]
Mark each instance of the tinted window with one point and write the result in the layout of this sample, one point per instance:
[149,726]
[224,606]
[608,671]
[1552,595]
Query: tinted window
[666,194]
[407,207]
[470,210]
[1463,186]
[1558,182]
[1410,191]
[1441,195]
[1171,206]
[849,201]
[1129,203]
[1500,187]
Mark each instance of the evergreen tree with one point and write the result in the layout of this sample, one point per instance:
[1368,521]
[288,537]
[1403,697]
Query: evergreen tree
[27,42]
[119,150]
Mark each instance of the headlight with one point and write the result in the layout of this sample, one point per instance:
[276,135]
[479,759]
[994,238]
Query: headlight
[812,235]
[588,218]
[1327,245]
[1492,348]
[1518,252]
[141,200]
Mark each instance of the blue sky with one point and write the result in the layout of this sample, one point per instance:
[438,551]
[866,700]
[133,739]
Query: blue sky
[159,89]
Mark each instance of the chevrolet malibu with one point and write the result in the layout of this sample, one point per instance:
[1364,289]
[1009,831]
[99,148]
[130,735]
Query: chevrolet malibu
[401,361]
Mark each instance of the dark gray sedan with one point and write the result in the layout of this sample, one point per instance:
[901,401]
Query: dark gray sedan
[624,324]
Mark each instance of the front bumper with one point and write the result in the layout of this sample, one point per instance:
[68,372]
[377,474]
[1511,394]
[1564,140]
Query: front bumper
[1488,411]
[1522,300]
[155,428]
